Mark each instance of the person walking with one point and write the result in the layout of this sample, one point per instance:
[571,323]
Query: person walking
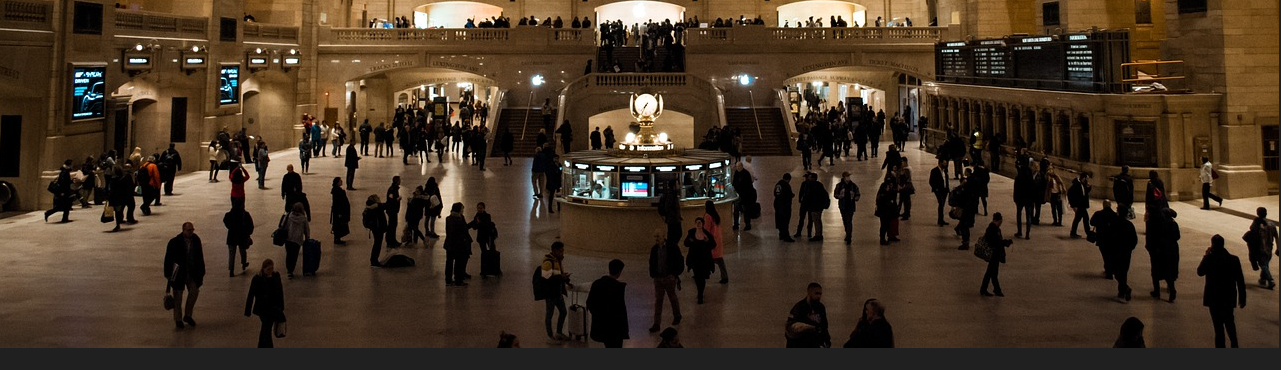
[352,162]
[905,188]
[743,183]
[298,229]
[807,321]
[1224,289]
[712,222]
[304,154]
[566,136]
[63,196]
[700,262]
[506,143]
[1163,251]
[887,209]
[665,266]
[267,300]
[263,157]
[374,218]
[170,164]
[148,175]
[551,284]
[804,144]
[185,270]
[1054,195]
[216,157]
[1079,200]
[1101,224]
[1131,334]
[1123,192]
[607,304]
[783,207]
[538,170]
[291,188]
[435,204]
[339,212]
[1155,198]
[847,196]
[1118,244]
[872,330]
[457,247]
[998,245]
[963,197]
[1208,175]
[122,196]
[240,228]
[1260,239]
[669,209]
[939,185]
[979,182]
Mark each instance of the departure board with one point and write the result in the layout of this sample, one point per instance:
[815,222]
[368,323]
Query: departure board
[1080,58]
[955,59]
[1086,62]
[992,59]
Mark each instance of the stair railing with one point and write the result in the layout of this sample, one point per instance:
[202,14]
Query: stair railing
[752,106]
[525,126]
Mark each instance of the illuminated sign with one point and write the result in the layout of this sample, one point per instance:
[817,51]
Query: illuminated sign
[292,61]
[714,165]
[605,168]
[88,92]
[1038,39]
[1078,37]
[195,61]
[255,62]
[581,166]
[635,169]
[664,168]
[229,85]
[137,60]
[693,167]
[955,44]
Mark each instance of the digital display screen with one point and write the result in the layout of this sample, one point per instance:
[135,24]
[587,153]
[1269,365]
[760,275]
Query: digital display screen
[291,61]
[229,86]
[88,92]
[635,189]
[195,61]
[138,60]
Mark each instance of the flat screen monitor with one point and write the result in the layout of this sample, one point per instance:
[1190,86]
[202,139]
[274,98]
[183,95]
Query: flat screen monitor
[635,189]
[229,85]
[88,92]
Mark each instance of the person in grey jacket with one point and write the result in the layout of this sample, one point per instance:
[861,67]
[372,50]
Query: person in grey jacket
[299,230]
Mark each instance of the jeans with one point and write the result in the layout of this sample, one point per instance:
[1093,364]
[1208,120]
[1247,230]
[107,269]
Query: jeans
[231,256]
[265,334]
[1021,216]
[665,286]
[455,266]
[1222,317]
[1082,215]
[291,256]
[194,291]
[262,176]
[377,249]
[1056,208]
[557,302]
[1206,195]
[992,274]
[847,220]
[213,170]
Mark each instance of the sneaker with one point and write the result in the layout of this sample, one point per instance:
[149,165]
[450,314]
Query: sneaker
[189,321]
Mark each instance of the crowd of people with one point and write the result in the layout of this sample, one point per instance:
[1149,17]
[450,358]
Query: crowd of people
[650,37]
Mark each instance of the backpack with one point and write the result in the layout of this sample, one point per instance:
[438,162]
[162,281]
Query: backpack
[53,187]
[367,219]
[954,197]
[143,176]
[540,283]
[399,260]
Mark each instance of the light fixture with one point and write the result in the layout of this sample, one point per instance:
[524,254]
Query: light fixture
[258,51]
[817,83]
[537,80]
[744,80]
[662,137]
[195,48]
[293,51]
[630,138]
[138,47]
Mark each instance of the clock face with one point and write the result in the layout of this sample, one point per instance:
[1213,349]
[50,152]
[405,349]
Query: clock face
[645,104]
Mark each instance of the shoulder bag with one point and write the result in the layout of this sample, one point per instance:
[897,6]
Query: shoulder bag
[281,234]
[983,250]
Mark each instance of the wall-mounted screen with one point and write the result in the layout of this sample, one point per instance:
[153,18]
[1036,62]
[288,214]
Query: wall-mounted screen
[88,92]
[635,186]
[229,86]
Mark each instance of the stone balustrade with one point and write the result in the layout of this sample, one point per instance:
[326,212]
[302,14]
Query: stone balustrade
[755,35]
[258,32]
[498,37]
[26,14]
[160,24]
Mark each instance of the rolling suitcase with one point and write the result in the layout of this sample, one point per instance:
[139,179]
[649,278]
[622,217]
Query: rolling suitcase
[491,263]
[578,317]
[310,257]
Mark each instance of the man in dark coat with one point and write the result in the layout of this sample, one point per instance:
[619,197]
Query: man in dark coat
[1162,243]
[339,212]
[457,247]
[1119,242]
[940,187]
[1123,191]
[185,270]
[813,199]
[665,266]
[669,208]
[607,304]
[291,188]
[170,164]
[596,139]
[1079,200]
[1101,224]
[240,226]
[998,243]
[783,206]
[352,162]
[566,136]
[392,206]
[1224,289]
[847,196]
[365,129]
[1024,193]
[742,182]
[62,194]
[807,321]
[969,205]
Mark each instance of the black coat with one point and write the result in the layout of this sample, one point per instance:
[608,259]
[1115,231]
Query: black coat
[1163,247]
[121,191]
[802,312]
[998,243]
[675,263]
[291,185]
[608,307]
[375,219]
[176,256]
[1154,202]
[1079,195]
[1118,242]
[700,260]
[457,236]
[939,181]
[1224,281]
[353,159]
[743,185]
[340,212]
[873,334]
[1123,189]
[266,298]
[240,225]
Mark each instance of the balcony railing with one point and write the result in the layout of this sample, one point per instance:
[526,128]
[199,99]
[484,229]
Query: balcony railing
[270,33]
[505,38]
[751,35]
[157,23]
[26,14]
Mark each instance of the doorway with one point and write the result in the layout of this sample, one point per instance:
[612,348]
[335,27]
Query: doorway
[1270,155]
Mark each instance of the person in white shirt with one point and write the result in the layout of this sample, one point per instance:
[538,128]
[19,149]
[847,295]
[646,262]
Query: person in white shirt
[1207,178]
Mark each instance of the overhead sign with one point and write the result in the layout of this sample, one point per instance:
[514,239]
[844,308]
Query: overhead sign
[88,92]
[229,85]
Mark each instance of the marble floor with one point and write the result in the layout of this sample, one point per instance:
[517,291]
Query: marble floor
[77,285]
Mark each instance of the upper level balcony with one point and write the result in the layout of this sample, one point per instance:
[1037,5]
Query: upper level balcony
[812,38]
[26,22]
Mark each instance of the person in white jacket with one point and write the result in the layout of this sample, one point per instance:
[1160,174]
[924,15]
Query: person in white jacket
[1207,178]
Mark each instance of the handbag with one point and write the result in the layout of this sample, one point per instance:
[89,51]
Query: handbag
[954,213]
[983,250]
[754,210]
[433,201]
[169,301]
[279,328]
[108,213]
[1214,174]
[1130,213]
[281,235]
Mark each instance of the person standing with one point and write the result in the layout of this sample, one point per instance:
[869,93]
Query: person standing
[298,229]
[905,188]
[807,321]
[963,197]
[435,204]
[979,181]
[216,156]
[1101,223]
[566,136]
[783,207]
[1123,192]
[339,137]
[596,139]
[506,143]
[1155,198]
[457,247]
[887,208]
[267,300]
[291,188]
[1054,195]
[260,164]
[538,170]
[1131,334]
[712,222]
[149,180]
[304,154]
[486,230]
[669,208]
[365,129]
[1224,289]
[339,212]
[170,164]
[352,162]
[185,270]
[847,196]
[700,262]
[550,285]
[63,196]
[375,220]
[813,201]
[872,330]
[240,228]
[1208,175]
[1163,250]
[1079,200]
[665,266]
[607,304]
[804,144]
[1260,239]
[1119,241]
[380,139]
[939,185]
[998,244]
[1025,194]
[392,206]
[744,184]
[609,137]
[239,176]
[1040,193]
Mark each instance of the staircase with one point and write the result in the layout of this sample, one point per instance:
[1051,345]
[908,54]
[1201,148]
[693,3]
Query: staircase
[773,139]
[514,119]
[627,57]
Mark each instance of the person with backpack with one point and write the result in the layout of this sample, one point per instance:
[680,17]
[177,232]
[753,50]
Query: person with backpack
[374,218]
[804,144]
[63,197]
[170,164]
[304,154]
[339,212]
[1260,239]
[1123,192]
[240,228]
[665,266]
[608,305]
[457,247]
[1155,198]
[550,286]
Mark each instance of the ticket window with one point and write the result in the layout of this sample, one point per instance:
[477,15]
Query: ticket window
[587,181]
[634,186]
[718,182]
[694,182]
[664,176]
